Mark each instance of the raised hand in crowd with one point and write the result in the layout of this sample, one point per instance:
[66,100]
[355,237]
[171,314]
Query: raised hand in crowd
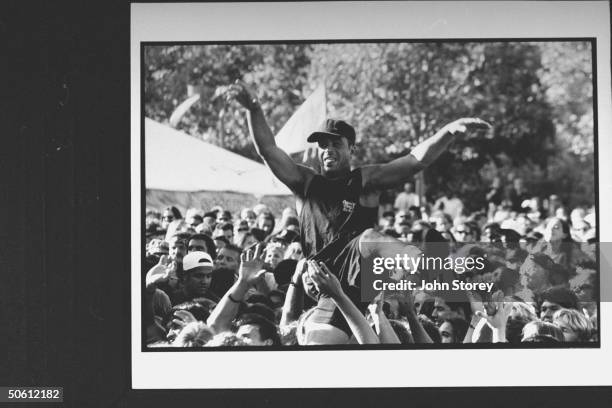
[250,270]
[496,315]
[160,273]
[329,285]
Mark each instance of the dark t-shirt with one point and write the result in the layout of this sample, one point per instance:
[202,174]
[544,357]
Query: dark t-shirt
[331,218]
[331,211]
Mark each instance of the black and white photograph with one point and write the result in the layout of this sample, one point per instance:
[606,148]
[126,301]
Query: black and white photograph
[271,169]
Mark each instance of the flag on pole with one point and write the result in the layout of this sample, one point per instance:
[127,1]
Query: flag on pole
[292,137]
[180,110]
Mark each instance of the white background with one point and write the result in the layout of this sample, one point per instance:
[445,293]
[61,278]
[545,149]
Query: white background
[361,20]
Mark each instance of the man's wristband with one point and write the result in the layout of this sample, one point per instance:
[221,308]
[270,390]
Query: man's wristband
[254,105]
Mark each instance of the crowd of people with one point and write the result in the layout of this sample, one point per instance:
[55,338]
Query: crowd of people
[214,278]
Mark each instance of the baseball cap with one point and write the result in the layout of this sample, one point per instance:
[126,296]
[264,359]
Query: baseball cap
[335,128]
[195,259]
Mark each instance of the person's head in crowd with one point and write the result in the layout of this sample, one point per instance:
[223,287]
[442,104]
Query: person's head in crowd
[561,213]
[210,220]
[220,242]
[521,313]
[388,219]
[204,243]
[542,332]
[409,187]
[226,339]
[491,233]
[248,215]
[197,273]
[463,232]
[256,330]
[414,213]
[557,230]
[452,327]
[273,254]
[518,184]
[265,222]
[553,299]
[194,217]
[170,214]
[228,258]
[257,304]
[294,251]
[441,221]
[403,223]
[536,271]
[224,217]
[258,234]
[423,303]
[579,230]
[576,327]
[194,334]
[260,208]
[225,230]
[450,303]
[177,247]
[584,283]
[530,241]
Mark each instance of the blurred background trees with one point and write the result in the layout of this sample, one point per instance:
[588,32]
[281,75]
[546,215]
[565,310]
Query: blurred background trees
[538,96]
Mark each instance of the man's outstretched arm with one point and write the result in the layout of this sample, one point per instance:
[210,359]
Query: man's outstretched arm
[381,176]
[280,163]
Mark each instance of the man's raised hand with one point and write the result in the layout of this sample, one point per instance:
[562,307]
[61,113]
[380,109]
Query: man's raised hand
[251,265]
[465,125]
[240,92]
[160,272]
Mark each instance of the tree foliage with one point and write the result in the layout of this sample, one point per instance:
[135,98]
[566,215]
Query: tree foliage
[538,96]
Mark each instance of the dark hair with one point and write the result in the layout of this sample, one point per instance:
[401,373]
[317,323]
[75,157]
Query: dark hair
[211,248]
[416,210]
[226,226]
[267,329]
[560,295]
[258,234]
[259,298]
[458,323]
[196,309]
[210,214]
[388,213]
[260,309]
[175,212]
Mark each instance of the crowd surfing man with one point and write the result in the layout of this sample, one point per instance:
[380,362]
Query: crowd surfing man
[338,207]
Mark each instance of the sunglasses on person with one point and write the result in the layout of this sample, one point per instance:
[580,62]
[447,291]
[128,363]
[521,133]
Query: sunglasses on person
[168,218]
[462,232]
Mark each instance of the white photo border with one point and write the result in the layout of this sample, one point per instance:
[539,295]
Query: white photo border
[183,22]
